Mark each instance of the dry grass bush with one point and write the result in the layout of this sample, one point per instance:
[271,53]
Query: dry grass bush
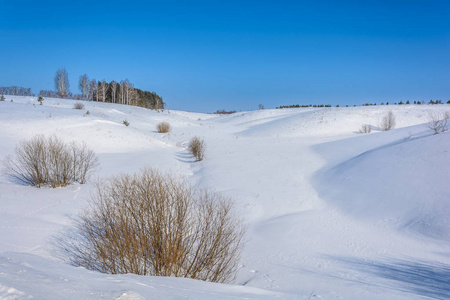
[365,128]
[78,105]
[50,161]
[197,148]
[438,122]
[163,127]
[155,224]
[388,122]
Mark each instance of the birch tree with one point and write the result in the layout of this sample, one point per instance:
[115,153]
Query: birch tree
[92,90]
[102,92]
[125,92]
[83,85]
[128,90]
[113,87]
[62,82]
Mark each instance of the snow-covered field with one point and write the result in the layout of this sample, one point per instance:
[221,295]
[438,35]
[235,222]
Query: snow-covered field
[331,213]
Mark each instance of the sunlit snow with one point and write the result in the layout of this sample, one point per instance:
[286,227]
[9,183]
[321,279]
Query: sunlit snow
[331,213]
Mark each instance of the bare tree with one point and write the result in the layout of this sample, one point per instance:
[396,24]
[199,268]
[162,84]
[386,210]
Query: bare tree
[155,224]
[127,90]
[113,85]
[127,93]
[16,91]
[122,88]
[47,93]
[438,122]
[62,82]
[388,122]
[103,87]
[83,85]
[92,90]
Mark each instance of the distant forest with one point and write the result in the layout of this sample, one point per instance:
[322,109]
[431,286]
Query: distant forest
[122,92]
[365,104]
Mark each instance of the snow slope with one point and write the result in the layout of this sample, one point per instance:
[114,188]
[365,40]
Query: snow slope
[331,213]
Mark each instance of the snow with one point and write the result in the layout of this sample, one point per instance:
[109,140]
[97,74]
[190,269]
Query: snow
[331,213]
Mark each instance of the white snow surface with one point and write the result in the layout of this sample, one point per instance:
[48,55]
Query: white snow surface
[331,213]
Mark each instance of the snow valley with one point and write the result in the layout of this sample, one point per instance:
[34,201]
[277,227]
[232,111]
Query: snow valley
[331,213]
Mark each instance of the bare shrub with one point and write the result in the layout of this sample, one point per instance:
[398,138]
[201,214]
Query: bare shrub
[365,128]
[155,224]
[388,122]
[84,161]
[126,123]
[78,105]
[438,122]
[49,161]
[225,112]
[197,148]
[163,127]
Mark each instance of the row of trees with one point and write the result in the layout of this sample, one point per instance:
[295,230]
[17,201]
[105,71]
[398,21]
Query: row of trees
[15,91]
[122,92]
[365,104]
[305,105]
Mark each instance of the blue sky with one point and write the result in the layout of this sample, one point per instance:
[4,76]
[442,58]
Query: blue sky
[234,55]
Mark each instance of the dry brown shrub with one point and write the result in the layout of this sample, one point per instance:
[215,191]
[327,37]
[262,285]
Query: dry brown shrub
[155,224]
[78,105]
[50,161]
[197,148]
[163,127]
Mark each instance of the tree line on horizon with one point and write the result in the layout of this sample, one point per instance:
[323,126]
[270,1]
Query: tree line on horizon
[15,91]
[365,104]
[122,92]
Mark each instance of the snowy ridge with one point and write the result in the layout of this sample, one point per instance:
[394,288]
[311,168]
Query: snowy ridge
[329,210]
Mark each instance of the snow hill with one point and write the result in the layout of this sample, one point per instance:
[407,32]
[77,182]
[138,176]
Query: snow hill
[331,213]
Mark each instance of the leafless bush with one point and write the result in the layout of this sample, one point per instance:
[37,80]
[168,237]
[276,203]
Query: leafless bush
[126,123]
[197,148]
[155,224]
[84,161]
[78,105]
[438,121]
[388,122]
[163,127]
[49,161]
[225,112]
[365,128]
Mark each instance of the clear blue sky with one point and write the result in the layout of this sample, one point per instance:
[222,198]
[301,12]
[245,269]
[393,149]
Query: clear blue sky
[234,55]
